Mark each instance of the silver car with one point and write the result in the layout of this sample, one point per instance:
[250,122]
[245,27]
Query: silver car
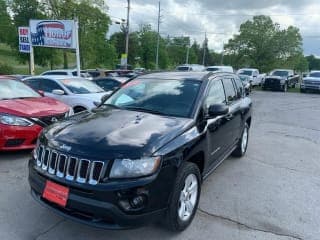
[79,93]
[311,82]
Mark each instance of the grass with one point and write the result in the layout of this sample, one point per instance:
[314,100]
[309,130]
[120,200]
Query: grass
[7,56]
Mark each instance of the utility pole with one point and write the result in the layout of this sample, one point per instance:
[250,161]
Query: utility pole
[158,40]
[222,55]
[127,34]
[187,57]
[204,48]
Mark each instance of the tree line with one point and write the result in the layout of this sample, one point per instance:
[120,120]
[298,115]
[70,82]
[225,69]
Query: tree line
[261,43]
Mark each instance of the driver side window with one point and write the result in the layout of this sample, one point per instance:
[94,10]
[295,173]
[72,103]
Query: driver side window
[215,95]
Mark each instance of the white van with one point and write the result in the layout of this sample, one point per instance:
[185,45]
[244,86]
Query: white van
[219,69]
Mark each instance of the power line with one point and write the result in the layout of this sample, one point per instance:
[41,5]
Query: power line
[245,15]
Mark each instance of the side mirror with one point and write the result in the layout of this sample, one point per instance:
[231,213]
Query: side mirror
[58,92]
[41,93]
[217,110]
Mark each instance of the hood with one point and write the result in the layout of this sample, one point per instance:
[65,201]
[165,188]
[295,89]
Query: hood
[109,133]
[33,107]
[275,77]
[311,79]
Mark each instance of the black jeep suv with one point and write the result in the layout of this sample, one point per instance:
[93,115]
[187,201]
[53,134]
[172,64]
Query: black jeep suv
[143,153]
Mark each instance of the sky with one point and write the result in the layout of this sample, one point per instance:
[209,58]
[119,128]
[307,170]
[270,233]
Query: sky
[220,19]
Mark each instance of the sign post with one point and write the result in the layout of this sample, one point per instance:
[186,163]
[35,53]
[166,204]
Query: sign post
[77,46]
[31,63]
[25,46]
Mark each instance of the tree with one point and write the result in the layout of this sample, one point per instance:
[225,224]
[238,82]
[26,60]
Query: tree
[23,11]
[314,63]
[148,43]
[262,44]
[177,49]
[6,26]
[95,50]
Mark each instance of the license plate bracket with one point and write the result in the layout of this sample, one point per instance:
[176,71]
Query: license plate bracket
[56,193]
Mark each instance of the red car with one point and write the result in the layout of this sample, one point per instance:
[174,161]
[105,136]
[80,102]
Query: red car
[23,114]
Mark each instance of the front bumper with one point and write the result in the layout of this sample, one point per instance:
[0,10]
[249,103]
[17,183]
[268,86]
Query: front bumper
[272,84]
[98,206]
[310,87]
[18,138]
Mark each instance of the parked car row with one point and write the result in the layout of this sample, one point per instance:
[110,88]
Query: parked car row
[24,113]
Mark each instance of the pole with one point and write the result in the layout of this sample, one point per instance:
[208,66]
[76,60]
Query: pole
[31,64]
[204,48]
[187,57]
[127,34]
[158,40]
[31,54]
[222,55]
[77,46]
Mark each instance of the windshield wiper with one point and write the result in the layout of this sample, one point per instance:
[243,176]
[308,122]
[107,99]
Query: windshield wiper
[141,109]
[22,97]
[110,105]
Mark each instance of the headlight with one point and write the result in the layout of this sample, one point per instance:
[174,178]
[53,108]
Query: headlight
[14,120]
[282,81]
[127,168]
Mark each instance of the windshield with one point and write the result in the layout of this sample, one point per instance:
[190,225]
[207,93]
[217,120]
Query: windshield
[165,97]
[81,86]
[243,78]
[315,74]
[280,73]
[213,69]
[246,72]
[11,89]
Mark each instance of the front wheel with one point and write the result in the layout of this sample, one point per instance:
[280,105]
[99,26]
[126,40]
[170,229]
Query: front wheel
[243,142]
[185,197]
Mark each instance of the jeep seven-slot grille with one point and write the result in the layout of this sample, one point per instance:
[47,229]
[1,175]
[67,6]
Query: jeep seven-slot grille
[69,167]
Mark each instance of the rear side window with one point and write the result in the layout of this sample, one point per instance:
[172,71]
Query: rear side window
[33,83]
[48,85]
[55,73]
[231,94]
[239,87]
[108,85]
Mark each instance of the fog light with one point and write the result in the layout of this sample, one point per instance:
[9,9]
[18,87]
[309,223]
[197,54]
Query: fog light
[138,201]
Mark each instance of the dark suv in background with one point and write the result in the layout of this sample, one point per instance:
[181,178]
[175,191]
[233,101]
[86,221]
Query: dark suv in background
[143,154]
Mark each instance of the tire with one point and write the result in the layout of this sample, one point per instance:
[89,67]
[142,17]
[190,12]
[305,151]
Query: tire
[79,109]
[243,143]
[178,218]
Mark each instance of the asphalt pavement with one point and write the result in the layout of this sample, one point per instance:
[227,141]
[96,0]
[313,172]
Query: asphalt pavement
[273,193]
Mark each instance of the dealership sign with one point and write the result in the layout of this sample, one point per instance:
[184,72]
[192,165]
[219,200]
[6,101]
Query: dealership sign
[24,40]
[52,33]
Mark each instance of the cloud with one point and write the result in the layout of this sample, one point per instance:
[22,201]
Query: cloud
[220,18]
